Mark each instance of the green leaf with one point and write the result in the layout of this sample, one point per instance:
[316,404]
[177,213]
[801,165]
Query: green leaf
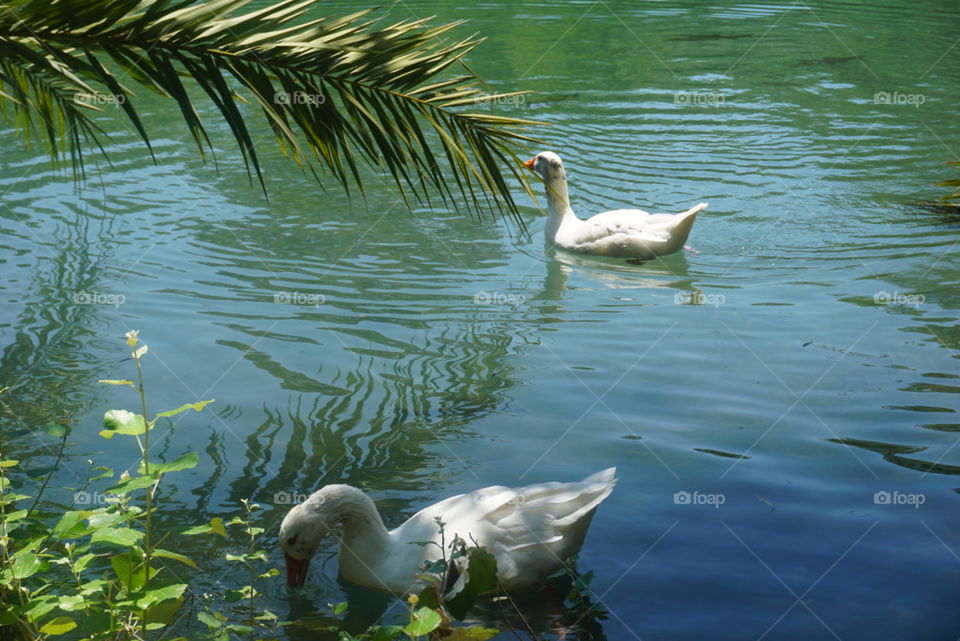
[92,587]
[116,536]
[435,567]
[55,430]
[214,527]
[40,607]
[198,406]
[105,473]
[81,563]
[158,595]
[267,616]
[185,462]
[66,526]
[428,597]
[96,624]
[122,422]
[340,608]
[106,517]
[232,596]
[15,516]
[209,620]
[24,565]
[385,632]
[71,602]
[164,613]
[112,381]
[131,576]
[136,483]
[166,554]
[479,577]
[60,625]
[422,622]
[9,463]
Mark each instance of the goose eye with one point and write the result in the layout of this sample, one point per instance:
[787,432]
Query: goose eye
[291,541]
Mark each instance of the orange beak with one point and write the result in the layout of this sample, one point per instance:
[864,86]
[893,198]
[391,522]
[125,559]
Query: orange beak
[296,571]
[529,163]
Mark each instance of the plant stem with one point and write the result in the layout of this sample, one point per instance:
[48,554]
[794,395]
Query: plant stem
[148,525]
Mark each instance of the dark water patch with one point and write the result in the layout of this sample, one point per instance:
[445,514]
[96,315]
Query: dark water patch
[720,453]
[920,408]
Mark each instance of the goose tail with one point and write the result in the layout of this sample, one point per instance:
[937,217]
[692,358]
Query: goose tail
[684,223]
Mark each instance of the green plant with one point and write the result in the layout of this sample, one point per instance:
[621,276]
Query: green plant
[453,585]
[94,570]
[220,625]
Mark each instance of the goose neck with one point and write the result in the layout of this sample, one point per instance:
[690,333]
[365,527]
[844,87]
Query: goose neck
[355,511]
[558,204]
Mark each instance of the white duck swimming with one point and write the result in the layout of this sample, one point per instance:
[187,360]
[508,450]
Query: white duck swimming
[530,530]
[628,233]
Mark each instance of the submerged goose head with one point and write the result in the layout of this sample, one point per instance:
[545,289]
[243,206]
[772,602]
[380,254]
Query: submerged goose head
[306,525]
[302,531]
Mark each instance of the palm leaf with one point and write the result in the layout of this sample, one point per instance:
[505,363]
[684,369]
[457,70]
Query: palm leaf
[336,93]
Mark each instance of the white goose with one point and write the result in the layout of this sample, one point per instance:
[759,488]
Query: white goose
[628,233]
[530,530]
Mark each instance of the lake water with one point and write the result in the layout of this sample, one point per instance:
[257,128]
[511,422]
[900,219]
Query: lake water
[781,405]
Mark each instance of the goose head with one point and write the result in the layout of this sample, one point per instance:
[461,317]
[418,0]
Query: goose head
[302,531]
[548,165]
[306,526]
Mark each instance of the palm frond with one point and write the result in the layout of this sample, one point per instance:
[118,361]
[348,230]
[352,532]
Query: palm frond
[337,93]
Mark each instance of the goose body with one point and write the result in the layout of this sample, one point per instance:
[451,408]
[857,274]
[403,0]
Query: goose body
[530,530]
[627,233]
